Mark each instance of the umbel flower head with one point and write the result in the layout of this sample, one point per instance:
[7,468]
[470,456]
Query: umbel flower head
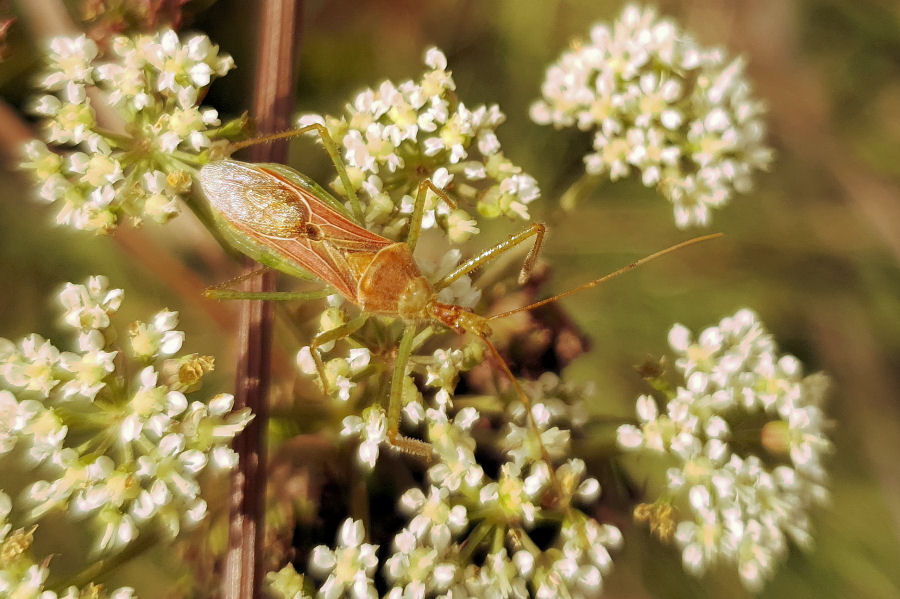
[391,139]
[133,157]
[682,116]
[739,499]
[395,136]
[111,421]
[468,533]
[22,576]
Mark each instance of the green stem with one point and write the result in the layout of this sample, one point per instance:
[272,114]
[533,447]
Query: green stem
[189,160]
[581,188]
[422,337]
[101,568]
[473,541]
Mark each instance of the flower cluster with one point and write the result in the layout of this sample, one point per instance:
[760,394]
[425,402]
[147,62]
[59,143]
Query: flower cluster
[681,115]
[395,136]
[112,422]
[742,498]
[136,122]
[22,576]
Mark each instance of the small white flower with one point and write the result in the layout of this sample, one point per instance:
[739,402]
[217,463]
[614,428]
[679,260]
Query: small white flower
[69,62]
[88,369]
[12,420]
[156,338]
[433,518]
[435,59]
[349,567]
[305,361]
[33,367]
[510,496]
[525,447]
[371,429]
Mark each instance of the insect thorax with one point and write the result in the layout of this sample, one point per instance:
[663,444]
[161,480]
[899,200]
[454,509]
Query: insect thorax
[392,284]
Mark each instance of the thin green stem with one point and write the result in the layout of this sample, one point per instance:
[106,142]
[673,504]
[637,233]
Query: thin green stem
[422,337]
[101,568]
[577,191]
[473,541]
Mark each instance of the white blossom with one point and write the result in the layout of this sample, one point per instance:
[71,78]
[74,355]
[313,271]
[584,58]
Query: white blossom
[348,568]
[153,82]
[395,135]
[738,509]
[371,428]
[124,450]
[683,116]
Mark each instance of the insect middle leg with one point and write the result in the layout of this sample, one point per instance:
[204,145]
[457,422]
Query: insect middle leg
[536,230]
[339,332]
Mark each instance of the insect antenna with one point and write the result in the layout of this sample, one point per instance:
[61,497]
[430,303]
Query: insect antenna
[608,276]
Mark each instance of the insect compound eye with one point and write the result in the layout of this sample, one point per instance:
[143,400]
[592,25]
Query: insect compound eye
[312,232]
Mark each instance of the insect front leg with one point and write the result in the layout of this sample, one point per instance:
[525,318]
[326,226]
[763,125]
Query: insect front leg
[536,230]
[415,221]
[222,291]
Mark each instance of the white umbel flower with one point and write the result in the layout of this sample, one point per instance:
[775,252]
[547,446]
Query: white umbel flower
[154,83]
[395,135]
[681,115]
[738,509]
[122,443]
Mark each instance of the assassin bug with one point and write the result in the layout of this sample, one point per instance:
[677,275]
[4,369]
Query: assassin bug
[284,220]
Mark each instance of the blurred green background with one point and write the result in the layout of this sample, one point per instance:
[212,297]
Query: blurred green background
[814,249]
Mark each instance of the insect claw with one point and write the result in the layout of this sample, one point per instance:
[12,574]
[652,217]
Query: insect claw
[410,446]
[523,277]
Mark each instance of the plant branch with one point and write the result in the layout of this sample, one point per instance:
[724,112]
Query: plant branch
[273,106]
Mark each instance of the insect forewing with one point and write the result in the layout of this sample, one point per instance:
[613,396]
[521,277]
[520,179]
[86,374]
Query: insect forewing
[245,195]
[289,220]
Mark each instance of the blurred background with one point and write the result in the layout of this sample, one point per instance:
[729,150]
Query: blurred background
[814,249]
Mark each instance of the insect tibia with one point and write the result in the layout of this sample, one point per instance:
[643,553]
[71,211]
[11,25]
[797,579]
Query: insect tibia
[460,319]
[539,230]
[410,446]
